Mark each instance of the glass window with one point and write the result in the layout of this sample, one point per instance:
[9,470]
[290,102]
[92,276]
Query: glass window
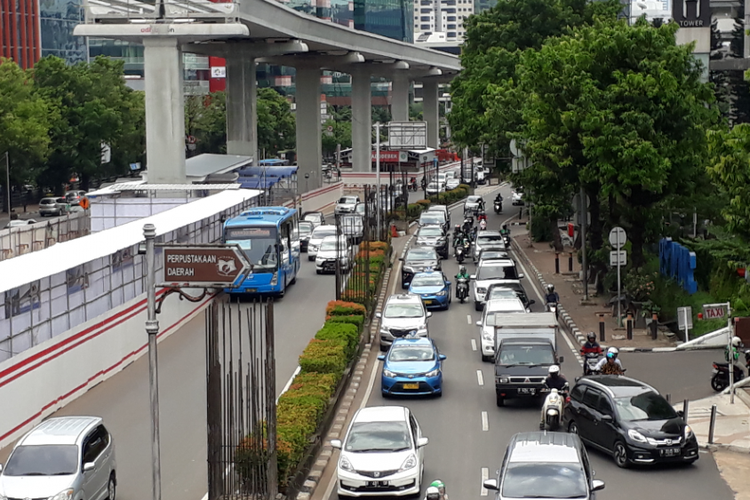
[577,393]
[47,460]
[537,480]
[421,254]
[378,436]
[591,397]
[403,311]
[646,406]
[425,18]
[430,231]
[427,280]
[258,243]
[526,355]
[497,272]
[411,353]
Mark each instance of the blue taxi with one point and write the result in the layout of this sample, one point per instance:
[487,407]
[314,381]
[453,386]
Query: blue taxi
[433,288]
[413,366]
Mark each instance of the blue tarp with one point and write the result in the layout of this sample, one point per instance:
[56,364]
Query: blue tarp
[272,162]
[268,171]
[257,182]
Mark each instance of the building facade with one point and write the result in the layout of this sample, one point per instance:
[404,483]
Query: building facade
[390,18]
[442,16]
[19,31]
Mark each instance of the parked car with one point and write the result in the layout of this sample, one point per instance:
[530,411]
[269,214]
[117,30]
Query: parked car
[416,260]
[433,287]
[413,366]
[435,237]
[62,458]
[51,206]
[316,238]
[329,249]
[382,454]
[346,205]
[492,271]
[545,465]
[306,228]
[630,420]
[403,315]
[317,218]
[20,223]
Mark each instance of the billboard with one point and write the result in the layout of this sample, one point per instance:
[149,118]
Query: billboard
[652,9]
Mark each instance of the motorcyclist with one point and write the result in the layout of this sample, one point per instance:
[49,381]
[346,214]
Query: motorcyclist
[463,274]
[591,345]
[459,240]
[505,231]
[552,295]
[499,197]
[483,224]
[423,183]
[732,352]
[554,379]
[437,483]
[482,216]
[610,365]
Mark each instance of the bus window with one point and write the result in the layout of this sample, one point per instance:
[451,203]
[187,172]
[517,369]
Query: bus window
[259,245]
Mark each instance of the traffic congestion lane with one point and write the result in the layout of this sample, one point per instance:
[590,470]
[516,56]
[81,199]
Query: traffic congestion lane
[123,400]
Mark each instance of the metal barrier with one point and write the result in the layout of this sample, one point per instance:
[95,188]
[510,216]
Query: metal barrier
[17,241]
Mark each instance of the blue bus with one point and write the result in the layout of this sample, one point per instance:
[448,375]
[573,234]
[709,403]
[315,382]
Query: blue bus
[269,237]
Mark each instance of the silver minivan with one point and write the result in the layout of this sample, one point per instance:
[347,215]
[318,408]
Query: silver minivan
[63,458]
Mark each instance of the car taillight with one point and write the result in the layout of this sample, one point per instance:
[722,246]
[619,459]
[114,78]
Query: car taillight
[715,367]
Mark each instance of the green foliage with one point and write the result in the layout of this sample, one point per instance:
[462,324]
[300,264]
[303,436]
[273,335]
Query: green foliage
[341,134]
[449,197]
[639,285]
[206,120]
[341,332]
[355,319]
[324,356]
[276,123]
[343,308]
[730,170]
[541,229]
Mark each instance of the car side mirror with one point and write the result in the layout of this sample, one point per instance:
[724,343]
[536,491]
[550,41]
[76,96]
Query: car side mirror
[336,443]
[473,277]
[88,466]
[479,323]
[562,359]
[680,413]
[606,418]
[429,314]
[520,276]
[490,484]
[381,357]
[442,357]
[423,441]
[378,315]
[597,484]
[401,259]
[448,283]
[532,302]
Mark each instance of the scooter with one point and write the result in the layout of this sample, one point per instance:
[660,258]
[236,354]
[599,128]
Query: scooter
[462,289]
[720,378]
[551,307]
[498,206]
[460,253]
[590,360]
[552,409]
[413,186]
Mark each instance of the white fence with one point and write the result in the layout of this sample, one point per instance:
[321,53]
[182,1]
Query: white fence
[17,241]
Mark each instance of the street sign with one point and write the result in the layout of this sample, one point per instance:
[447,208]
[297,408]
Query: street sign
[191,139]
[714,311]
[618,258]
[84,203]
[685,317]
[617,238]
[211,266]
[577,201]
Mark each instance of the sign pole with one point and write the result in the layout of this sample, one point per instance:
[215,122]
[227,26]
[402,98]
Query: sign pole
[619,286]
[730,326]
[685,318]
[584,219]
[377,173]
[152,329]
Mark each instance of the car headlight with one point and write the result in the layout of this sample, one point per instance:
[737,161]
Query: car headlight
[433,373]
[314,248]
[408,269]
[688,432]
[481,291]
[345,464]
[384,329]
[442,294]
[637,436]
[504,380]
[275,278]
[487,336]
[409,463]
[422,330]
[389,374]
[63,495]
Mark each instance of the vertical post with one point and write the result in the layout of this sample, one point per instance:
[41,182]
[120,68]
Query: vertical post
[7,184]
[424,177]
[377,173]
[711,425]
[685,408]
[272,476]
[619,283]
[685,322]
[654,325]
[152,329]
[337,269]
[570,262]
[601,328]
[695,222]
[668,397]
[630,325]
[584,268]
[730,326]
[557,263]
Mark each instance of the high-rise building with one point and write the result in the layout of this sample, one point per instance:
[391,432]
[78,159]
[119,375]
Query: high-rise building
[57,18]
[442,16]
[482,5]
[19,31]
[391,18]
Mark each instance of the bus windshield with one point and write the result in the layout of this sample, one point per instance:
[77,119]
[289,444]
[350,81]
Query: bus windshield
[259,245]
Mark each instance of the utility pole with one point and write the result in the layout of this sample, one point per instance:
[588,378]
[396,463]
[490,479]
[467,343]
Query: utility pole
[584,219]
[7,184]
[377,173]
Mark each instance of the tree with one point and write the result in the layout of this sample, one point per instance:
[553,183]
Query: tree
[494,42]
[341,134]
[730,170]
[24,124]
[719,79]
[93,108]
[276,123]
[620,110]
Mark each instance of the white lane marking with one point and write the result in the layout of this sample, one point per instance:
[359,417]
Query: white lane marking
[485,422]
[473,344]
[485,476]
[468,318]
[370,385]
[480,377]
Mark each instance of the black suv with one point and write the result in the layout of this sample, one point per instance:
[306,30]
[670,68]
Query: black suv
[521,367]
[418,259]
[629,420]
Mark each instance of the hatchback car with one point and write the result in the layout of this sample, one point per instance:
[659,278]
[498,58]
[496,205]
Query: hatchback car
[435,237]
[403,315]
[413,366]
[417,260]
[545,465]
[433,287]
[382,454]
[316,238]
[62,458]
[74,197]
[346,205]
[329,249]
[50,206]
[306,228]
[630,420]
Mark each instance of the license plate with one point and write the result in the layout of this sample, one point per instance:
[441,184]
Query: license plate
[411,386]
[251,290]
[377,484]
[527,390]
[428,302]
[669,452]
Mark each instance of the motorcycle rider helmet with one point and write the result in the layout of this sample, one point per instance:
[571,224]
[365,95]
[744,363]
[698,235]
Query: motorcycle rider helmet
[736,341]
[591,337]
[554,371]
[550,288]
[432,493]
[462,270]
[437,483]
[612,353]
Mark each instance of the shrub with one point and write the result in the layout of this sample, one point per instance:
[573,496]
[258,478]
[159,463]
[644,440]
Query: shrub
[414,209]
[343,308]
[425,203]
[355,319]
[375,245]
[343,332]
[324,356]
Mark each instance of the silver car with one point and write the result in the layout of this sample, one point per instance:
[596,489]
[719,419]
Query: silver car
[316,239]
[404,315]
[63,458]
[51,206]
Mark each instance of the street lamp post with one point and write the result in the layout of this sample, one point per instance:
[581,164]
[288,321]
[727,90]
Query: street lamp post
[7,184]
[377,174]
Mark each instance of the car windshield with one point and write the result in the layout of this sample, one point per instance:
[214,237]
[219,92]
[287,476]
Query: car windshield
[502,293]
[472,199]
[330,244]
[539,480]
[403,311]
[378,436]
[313,217]
[258,243]
[421,254]
[526,355]
[47,201]
[646,406]
[490,239]
[347,199]
[411,353]
[430,219]
[305,228]
[47,460]
[489,272]
[322,232]
[494,255]
[430,231]
[427,280]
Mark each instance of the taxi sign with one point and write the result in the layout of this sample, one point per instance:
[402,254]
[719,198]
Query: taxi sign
[714,311]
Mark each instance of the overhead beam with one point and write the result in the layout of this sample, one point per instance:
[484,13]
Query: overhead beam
[256,48]
[322,61]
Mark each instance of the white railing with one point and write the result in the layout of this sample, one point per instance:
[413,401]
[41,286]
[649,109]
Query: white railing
[17,241]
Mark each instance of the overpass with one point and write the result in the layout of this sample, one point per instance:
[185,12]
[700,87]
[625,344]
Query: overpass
[249,31]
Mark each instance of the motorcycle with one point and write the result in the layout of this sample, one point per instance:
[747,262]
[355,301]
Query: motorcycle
[483,225]
[462,289]
[551,307]
[498,206]
[413,186]
[460,253]
[590,360]
[552,409]
[720,377]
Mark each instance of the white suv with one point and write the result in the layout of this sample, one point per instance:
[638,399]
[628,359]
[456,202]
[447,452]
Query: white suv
[346,205]
[403,315]
[491,272]
[62,458]
[325,260]
[487,324]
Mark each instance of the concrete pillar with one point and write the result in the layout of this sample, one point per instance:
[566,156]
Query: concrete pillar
[242,115]
[400,97]
[431,112]
[165,111]
[361,120]
[309,145]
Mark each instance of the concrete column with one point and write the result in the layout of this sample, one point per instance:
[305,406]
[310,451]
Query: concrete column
[361,120]
[309,145]
[165,111]
[400,97]
[242,112]
[431,112]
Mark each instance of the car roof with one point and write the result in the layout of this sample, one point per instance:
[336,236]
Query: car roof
[59,430]
[544,447]
[333,238]
[381,414]
[418,341]
[619,386]
[326,227]
[432,208]
[511,285]
[430,273]
[488,233]
[404,297]
[505,304]
[498,262]
[425,248]
[431,226]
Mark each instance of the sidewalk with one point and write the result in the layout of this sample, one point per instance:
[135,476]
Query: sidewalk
[732,426]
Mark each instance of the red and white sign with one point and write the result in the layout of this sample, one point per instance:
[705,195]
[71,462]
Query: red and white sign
[389,156]
[714,311]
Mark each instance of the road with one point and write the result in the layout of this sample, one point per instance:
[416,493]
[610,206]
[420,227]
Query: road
[123,400]
[463,444]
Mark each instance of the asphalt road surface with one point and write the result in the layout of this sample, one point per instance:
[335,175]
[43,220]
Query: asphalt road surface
[468,433]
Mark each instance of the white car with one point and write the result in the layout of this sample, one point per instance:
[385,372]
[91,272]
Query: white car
[382,454]
[452,183]
[435,188]
[316,239]
[325,260]
[495,307]
[485,240]
[403,315]
[20,223]
[346,205]
[516,198]
[491,272]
